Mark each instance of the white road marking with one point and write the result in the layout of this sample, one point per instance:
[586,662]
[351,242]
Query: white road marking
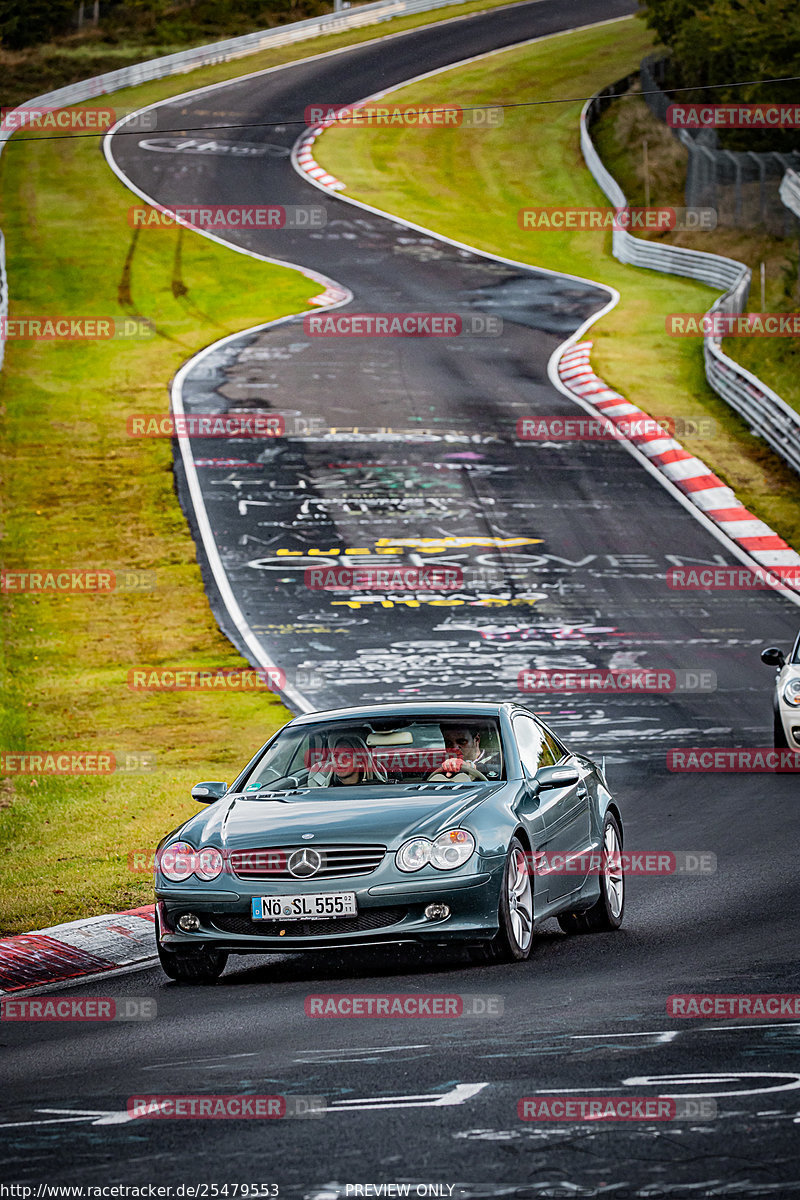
[70,1115]
[365,1049]
[696,1079]
[663,1035]
[194,1062]
[713,1077]
[460,1093]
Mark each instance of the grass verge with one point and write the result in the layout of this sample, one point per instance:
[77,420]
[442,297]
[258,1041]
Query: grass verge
[78,493]
[470,185]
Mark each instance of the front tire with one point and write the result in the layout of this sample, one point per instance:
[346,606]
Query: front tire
[514,939]
[781,740]
[199,964]
[607,913]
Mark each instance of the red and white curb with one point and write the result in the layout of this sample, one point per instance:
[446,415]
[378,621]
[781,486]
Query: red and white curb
[689,474]
[305,161]
[77,948]
[332,295]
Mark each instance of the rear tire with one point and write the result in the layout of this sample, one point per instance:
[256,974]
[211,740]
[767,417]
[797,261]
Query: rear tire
[606,914]
[196,965]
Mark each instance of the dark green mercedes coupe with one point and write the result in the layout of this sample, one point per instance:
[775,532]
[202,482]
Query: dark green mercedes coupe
[400,823]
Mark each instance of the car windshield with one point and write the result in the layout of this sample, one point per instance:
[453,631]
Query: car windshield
[410,749]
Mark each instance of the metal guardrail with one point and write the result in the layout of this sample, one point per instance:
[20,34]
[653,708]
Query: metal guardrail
[768,416]
[227,50]
[204,56]
[790,192]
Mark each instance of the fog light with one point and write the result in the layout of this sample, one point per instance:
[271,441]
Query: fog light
[189,923]
[437,912]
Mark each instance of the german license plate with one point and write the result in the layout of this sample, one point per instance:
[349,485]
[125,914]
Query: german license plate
[301,908]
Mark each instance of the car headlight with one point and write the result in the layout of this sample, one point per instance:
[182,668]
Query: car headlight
[177,861]
[791,693]
[414,855]
[452,849]
[208,863]
[180,860]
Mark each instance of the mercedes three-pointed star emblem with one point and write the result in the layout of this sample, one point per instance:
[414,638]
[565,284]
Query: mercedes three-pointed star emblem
[304,863]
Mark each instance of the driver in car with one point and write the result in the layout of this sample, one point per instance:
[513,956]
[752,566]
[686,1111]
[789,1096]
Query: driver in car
[463,750]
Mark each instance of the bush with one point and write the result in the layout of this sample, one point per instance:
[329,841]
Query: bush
[719,43]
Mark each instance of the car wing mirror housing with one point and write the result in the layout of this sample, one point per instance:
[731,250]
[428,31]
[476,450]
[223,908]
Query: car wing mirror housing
[556,777]
[773,657]
[207,793]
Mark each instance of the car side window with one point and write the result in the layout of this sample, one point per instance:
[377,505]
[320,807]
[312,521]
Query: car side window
[535,747]
[555,750]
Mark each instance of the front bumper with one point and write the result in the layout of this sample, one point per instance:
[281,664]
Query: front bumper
[387,913]
[790,717]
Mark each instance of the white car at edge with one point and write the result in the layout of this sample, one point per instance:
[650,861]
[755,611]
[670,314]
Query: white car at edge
[786,699]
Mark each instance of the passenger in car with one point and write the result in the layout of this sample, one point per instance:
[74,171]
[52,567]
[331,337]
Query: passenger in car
[350,763]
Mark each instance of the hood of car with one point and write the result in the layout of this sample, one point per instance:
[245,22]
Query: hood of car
[371,814]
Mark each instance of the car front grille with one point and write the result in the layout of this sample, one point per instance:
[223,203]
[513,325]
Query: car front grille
[371,918]
[272,862]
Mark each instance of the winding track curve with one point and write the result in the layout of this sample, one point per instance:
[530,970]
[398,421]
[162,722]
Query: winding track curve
[595,533]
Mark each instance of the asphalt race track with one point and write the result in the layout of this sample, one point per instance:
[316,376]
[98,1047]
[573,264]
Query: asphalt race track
[572,541]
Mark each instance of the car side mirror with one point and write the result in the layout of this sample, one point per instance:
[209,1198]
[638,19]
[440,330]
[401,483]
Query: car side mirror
[556,777]
[773,657]
[207,793]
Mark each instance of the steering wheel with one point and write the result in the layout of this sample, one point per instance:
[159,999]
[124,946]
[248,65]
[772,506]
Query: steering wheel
[286,782]
[457,777]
